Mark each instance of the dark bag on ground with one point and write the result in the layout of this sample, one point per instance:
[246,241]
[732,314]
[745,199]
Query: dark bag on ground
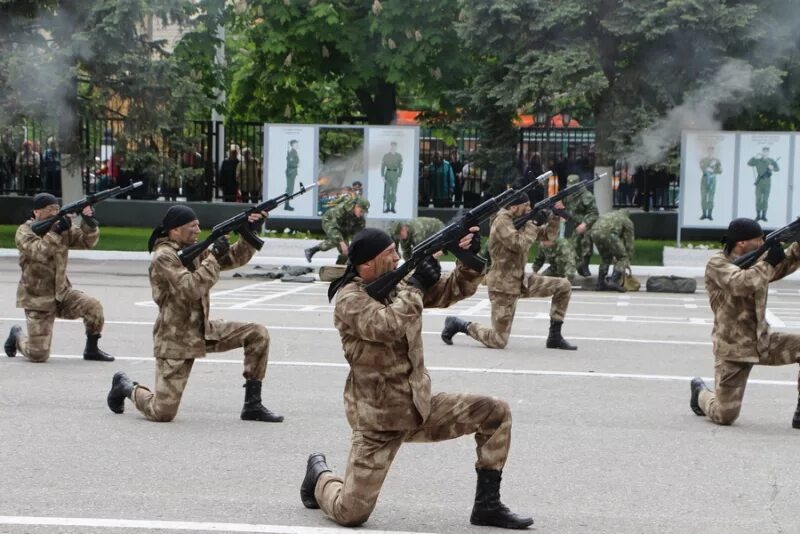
[671,284]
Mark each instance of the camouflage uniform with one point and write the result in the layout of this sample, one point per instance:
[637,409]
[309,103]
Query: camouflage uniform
[614,238]
[183,331]
[45,292]
[419,229]
[583,208]
[741,336]
[388,398]
[248,176]
[391,169]
[339,224]
[560,256]
[508,283]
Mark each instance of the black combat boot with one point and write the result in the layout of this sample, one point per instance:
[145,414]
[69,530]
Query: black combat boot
[554,338]
[253,410]
[310,252]
[583,268]
[602,272]
[314,468]
[697,385]
[488,510]
[796,418]
[452,326]
[11,341]
[121,387]
[288,206]
[614,282]
[92,352]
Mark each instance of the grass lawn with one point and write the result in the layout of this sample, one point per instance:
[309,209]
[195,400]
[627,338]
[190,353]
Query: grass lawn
[648,251]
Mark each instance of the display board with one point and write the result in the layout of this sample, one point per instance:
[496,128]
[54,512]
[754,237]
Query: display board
[391,172]
[290,154]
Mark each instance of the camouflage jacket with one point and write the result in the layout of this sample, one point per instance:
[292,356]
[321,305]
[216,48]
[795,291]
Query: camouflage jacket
[738,298]
[583,207]
[419,229]
[388,387]
[616,223]
[508,248]
[182,296]
[43,261]
[339,221]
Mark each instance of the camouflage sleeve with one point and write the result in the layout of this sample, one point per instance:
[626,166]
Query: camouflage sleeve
[84,237]
[506,234]
[628,237]
[330,225]
[738,282]
[240,253]
[788,265]
[185,284]
[457,285]
[31,245]
[590,212]
[538,262]
[374,321]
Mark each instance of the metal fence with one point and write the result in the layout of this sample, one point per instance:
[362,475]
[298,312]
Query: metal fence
[29,159]
[646,188]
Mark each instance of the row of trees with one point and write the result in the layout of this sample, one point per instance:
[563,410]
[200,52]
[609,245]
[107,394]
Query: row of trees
[637,71]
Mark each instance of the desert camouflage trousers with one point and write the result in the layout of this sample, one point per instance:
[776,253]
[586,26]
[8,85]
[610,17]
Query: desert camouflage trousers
[730,378]
[162,403]
[75,305]
[350,500]
[504,305]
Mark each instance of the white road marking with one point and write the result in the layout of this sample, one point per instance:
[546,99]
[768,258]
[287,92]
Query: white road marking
[196,526]
[481,305]
[772,319]
[467,370]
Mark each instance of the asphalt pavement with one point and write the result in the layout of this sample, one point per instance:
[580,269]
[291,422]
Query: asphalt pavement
[603,438]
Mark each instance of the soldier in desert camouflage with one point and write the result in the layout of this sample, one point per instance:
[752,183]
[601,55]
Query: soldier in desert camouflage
[183,331]
[507,281]
[45,292]
[741,335]
[387,395]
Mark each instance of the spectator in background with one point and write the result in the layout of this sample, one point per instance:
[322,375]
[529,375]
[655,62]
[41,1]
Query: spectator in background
[442,180]
[28,169]
[227,175]
[52,167]
[458,166]
[248,176]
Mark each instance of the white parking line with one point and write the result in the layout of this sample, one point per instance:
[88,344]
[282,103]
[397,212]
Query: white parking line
[176,525]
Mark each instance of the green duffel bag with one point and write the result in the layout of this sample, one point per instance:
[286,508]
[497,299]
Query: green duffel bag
[671,284]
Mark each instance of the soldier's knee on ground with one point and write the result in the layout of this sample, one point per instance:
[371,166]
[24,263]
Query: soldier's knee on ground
[500,341]
[354,518]
[37,356]
[165,413]
[726,416]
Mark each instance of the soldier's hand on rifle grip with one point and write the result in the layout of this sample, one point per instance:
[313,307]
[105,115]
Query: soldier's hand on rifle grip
[256,220]
[541,217]
[775,254]
[475,242]
[61,225]
[220,247]
[426,274]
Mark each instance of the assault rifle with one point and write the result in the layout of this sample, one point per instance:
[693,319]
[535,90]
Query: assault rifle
[550,202]
[790,232]
[43,226]
[447,239]
[238,223]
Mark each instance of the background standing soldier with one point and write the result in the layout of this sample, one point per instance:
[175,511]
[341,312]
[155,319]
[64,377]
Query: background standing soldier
[387,395]
[741,335]
[45,292]
[583,208]
[292,163]
[340,224]
[183,331]
[764,167]
[507,282]
[613,236]
[410,233]
[248,176]
[711,167]
[391,169]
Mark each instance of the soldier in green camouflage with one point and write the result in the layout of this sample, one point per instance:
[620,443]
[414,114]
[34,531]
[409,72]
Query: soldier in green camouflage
[292,163]
[45,292]
[410,233]
[387,394]
[742,336]
[711,167]
[582,207]
[613,236]
[560,254]
[340,224]
[764,167]
[183,331]
[391,169]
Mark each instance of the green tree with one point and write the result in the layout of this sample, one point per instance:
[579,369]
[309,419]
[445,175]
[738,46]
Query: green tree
[316,60]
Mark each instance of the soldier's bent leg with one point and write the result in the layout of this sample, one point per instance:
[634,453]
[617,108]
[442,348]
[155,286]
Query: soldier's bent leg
[545,286]
[350,500]
[78,305]
[36,345]
[730,379]
[784,349]
[171,377]
[503,308]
